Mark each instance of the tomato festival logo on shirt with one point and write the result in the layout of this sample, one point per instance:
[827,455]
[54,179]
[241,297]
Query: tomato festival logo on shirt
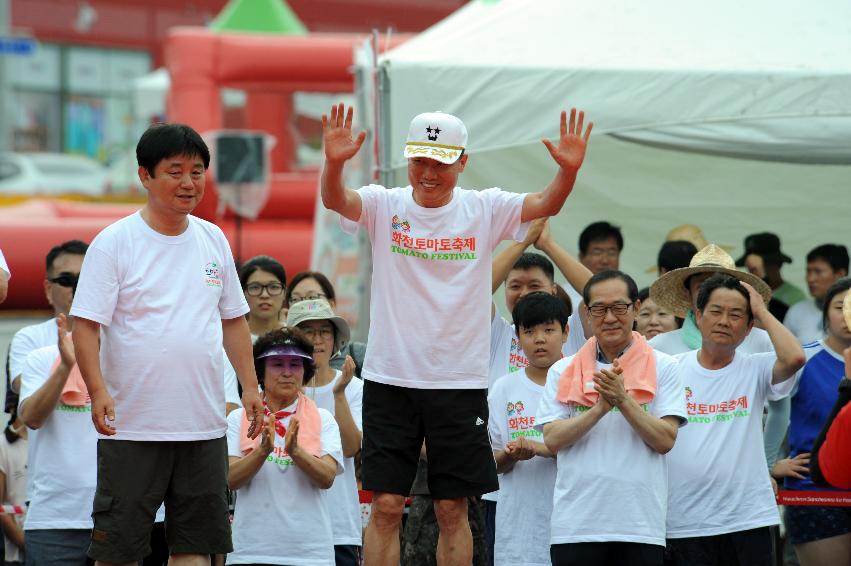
[434,249]
[280,457]
[705,413]
[399,224]
[212,274]
[516,359]
[518,425]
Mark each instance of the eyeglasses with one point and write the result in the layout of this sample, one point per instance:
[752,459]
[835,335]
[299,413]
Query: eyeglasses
[65,280]
[256,289]
[618,309]
[297,299]
[323,333]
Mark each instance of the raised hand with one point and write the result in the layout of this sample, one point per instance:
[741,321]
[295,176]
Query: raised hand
[609,384]
[337,135]
[544,237]
[291,437]
[348,373]
[267,441]
[66,346]
[757,303]
[570,151]
[534,231]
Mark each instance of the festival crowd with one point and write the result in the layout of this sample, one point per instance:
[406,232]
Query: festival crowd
[179,408]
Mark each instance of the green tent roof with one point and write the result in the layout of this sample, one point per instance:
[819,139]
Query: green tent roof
[258,16]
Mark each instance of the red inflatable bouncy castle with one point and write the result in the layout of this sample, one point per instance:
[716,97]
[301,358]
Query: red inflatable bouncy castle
[200,63]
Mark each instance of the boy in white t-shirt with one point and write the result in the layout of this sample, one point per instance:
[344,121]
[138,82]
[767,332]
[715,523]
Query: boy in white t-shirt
[610,413]
[426,363]
[525,500]
[720,500]
[157,299]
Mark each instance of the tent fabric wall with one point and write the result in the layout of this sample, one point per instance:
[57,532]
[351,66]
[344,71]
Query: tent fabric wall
[742,111]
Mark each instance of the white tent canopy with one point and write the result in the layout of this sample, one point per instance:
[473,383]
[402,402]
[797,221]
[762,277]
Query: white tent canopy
[742,111]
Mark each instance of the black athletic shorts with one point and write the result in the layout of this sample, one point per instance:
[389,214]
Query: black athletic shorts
[753,547]
[454,425]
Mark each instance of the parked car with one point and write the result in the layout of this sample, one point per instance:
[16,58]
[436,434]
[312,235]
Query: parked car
[51,174]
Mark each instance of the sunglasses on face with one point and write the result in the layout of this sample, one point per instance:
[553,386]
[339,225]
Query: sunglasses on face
[65,280]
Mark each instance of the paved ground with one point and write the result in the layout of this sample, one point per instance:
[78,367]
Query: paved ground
[8,327]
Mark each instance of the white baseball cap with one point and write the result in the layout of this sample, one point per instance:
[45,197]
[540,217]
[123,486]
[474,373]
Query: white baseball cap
[436,135]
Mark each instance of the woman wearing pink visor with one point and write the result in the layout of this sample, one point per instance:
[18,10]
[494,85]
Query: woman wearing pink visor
[280,515]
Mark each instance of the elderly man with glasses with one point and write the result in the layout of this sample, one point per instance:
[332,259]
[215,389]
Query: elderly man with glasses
[610,413]
[63,265]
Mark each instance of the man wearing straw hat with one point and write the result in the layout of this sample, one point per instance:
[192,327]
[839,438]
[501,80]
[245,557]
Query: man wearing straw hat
[720,501]
[677,290]
[425,373]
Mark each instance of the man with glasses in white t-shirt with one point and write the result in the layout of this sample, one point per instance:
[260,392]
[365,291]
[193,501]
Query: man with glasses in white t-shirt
[426,364]
[610,413]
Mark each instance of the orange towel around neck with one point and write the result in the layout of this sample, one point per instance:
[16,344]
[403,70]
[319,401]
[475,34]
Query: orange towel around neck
[74,392]
[309,428]
[639,373]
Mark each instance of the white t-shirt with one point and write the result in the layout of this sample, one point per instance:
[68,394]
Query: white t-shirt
[431,281]
[804,320]
[160,301]
[506,354]
[525,500]
[230,379]
[62,456]
[26,340]
[610,485]
[4,267]
[13,464]
[672,342]
[343,495]
[281,516]
[717,479]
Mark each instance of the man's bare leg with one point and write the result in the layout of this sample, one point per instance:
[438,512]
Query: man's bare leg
[455,542]
[381,539]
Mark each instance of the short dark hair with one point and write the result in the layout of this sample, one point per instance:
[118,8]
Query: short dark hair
[75,247]
[842,285]
[722,281]
[262,263]
[599,231]
[631,287]
[835,255]
[565,298]
[530,260]
[161,141]
[539,308]
[276,338]
[675,254]
[320,278]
